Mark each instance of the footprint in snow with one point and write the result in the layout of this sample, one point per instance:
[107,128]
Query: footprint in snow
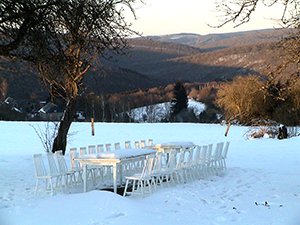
[115,215]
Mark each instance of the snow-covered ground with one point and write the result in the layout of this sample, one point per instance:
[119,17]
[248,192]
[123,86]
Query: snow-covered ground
[260,186]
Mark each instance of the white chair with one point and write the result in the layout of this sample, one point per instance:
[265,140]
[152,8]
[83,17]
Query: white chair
[96,170]
[143,179]
[216,160]
[100,148]
[150,141]
[157,170]
[127,144]
[82,151]
[208,159]
[202,162]
[52,165]
[41,174]
[69,175]
[187,165]
[108,147]
[169,171]
[117,145]
[92,149]
[224,155]
[143,143]
[137,144]
[75,165]
[179,167]
[90,170]
[196,162]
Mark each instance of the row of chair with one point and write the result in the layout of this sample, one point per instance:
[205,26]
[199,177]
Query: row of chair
[91,149]
[58,172]
[178,167]
[60,176]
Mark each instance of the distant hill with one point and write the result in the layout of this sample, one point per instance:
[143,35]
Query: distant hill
[223,40]
[221,57]
[160,60]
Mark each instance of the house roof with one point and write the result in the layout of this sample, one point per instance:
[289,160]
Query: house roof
[50,108]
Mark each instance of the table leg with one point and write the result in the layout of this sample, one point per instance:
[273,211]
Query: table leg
[120,174]
[84,178]
[115,177]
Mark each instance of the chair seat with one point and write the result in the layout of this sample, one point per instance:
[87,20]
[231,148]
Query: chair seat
[137,176]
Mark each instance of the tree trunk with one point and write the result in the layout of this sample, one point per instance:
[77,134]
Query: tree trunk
[60,142]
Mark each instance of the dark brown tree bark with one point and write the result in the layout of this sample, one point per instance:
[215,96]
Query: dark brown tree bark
[60,142]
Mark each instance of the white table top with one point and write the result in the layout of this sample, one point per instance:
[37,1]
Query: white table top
[119,154]
[174,144]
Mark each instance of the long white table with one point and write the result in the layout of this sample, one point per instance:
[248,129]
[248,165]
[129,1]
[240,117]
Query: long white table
[113,158]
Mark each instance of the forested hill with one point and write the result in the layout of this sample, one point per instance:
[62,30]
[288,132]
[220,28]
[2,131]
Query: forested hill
[222,40]
[159,61]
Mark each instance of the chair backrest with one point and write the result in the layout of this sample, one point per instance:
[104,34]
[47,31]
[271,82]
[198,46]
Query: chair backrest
[196,155]
[157,162]
[127,144]
[143,143]
[218,150]
[203,154]
[225,151]
[100,148]
[117,145]
[137,144]
[40,169]
[82,151]
[180,159]
[147,169]
[171,164]
[150,141]
[108,147]
[62,165]
[73,155]
[92,149]
[52,164]
[221,149]
[188,156]
[209,152]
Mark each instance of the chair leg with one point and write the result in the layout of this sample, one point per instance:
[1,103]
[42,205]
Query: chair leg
[150,189]
[59,181]
[133,187]
[126,186]
[142,187]
[152,181]
[51,186]
[36,186]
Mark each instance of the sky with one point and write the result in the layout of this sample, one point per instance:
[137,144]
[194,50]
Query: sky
[159,17]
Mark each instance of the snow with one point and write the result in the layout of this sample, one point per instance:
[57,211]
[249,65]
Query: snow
[260,185]
[158,112]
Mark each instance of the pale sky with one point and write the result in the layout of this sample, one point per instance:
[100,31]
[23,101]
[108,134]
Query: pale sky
[158,17]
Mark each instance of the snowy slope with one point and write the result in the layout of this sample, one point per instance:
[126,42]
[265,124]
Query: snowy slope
[260,186]
[158,112]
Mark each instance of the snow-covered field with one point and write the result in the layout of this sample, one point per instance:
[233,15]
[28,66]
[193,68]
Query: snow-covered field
[260,186]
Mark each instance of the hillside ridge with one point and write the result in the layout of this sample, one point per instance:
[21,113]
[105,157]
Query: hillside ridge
[160,60]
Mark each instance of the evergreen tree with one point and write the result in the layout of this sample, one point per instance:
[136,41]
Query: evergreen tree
[180,100]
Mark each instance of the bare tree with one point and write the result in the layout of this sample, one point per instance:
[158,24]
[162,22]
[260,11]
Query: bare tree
[239,12]
[3,89]
[61,38]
